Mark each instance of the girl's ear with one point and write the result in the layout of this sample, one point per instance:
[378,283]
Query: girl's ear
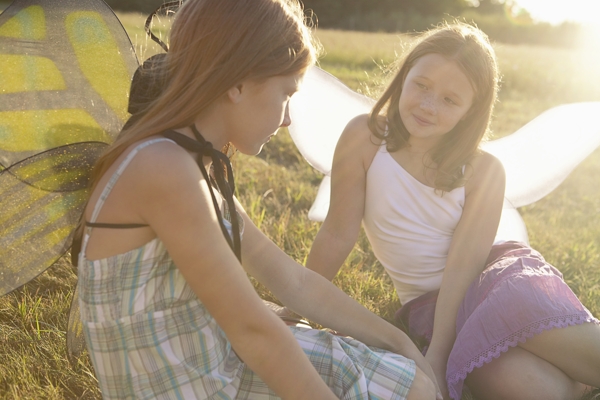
[235,93]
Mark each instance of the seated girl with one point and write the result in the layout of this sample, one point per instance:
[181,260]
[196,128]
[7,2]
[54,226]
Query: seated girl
[167,307]
[430,202]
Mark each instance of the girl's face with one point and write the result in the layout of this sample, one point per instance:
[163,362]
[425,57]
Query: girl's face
[435,97]
[263,110]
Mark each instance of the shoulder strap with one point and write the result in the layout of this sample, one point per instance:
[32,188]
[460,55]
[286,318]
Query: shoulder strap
[224,178]
[114,226]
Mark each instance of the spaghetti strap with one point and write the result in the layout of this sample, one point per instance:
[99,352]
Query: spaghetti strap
[111,183]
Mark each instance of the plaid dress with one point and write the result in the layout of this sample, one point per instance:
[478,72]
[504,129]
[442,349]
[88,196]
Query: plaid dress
[150,337]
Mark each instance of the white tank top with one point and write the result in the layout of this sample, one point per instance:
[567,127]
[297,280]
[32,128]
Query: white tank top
[409,225]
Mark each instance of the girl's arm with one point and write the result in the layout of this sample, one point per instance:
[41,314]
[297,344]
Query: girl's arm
[174,199]
[471,243]
[338,234]
[311,295]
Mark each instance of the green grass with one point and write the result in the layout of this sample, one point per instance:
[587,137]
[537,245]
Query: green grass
[278,187]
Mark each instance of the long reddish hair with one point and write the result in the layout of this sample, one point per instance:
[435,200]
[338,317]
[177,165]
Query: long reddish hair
[215,44]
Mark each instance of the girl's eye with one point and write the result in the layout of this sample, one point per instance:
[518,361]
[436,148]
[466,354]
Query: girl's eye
[449,100]
[420,85]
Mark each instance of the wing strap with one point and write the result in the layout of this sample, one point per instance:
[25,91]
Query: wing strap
[154,14]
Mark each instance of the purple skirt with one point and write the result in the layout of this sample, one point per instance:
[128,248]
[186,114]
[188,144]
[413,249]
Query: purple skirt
[517,296]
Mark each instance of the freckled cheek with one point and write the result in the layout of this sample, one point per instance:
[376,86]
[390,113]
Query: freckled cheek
[410,99]
[407,103]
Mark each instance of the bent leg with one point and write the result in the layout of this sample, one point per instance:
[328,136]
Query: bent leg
[575,350]
[521,375]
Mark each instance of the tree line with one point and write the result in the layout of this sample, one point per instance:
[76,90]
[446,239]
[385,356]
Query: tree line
[502,20]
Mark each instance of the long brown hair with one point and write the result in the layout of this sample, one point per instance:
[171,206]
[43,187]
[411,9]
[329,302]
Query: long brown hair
[215,44]
[472,52]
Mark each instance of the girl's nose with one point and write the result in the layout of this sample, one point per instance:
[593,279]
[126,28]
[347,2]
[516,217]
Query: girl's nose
[428,105]
[287,120]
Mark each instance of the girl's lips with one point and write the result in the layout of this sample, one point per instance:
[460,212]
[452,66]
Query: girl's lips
[422,121]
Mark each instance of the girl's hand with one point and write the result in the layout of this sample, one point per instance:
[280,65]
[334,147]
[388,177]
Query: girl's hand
[430,372]
[438,365]
[280,311]
[289,317]
[411,351]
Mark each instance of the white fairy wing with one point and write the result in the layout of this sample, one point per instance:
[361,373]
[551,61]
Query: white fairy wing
[511,226]
[319,112]
[319,208]
[540,155]
[537,158]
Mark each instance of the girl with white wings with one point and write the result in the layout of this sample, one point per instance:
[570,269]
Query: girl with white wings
[493,312]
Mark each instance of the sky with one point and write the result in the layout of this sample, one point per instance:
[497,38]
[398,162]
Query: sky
[558,11]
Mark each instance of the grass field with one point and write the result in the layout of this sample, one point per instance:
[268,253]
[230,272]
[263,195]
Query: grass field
[278,187]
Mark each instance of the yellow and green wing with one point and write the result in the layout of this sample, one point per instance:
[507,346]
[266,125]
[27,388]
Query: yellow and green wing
[65,73]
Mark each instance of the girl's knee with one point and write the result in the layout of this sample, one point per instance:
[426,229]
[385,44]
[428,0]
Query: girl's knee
[422,388]
[518,392]
[518,375]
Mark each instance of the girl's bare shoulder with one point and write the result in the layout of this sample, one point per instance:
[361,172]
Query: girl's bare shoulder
[486,170]
[153,171]
[157,167]
[358,141]
[357,131]
[485,161]
[165,163]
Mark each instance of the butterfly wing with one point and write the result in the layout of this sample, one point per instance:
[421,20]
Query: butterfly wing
[65,71]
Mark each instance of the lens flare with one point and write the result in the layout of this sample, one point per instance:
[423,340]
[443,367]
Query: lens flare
[517,14]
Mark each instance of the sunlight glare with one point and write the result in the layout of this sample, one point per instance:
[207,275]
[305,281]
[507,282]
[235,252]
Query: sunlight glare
[558,11]
[590,44]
